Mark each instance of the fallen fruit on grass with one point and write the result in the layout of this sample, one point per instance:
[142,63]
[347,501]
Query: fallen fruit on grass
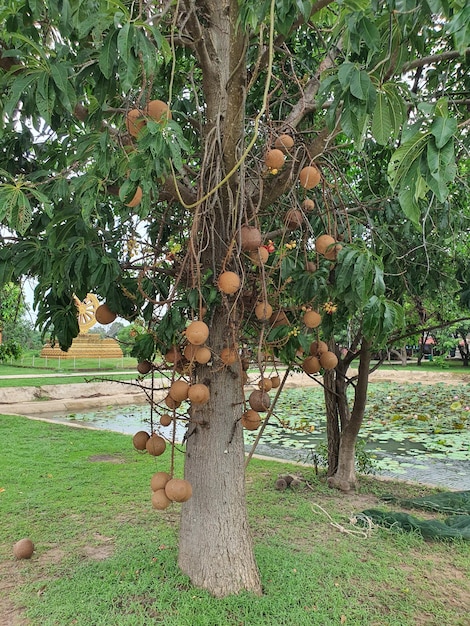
[159,480]
[140,439]
[23,549]
[178,490]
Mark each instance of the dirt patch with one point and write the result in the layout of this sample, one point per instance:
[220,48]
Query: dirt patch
[10,579]
[106,458]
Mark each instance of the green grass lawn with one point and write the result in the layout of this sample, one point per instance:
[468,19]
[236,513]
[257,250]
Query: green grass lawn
[105,557]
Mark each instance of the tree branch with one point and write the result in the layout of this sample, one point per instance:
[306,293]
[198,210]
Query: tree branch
[434,58]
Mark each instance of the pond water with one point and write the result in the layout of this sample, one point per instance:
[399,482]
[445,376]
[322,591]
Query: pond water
[402,443]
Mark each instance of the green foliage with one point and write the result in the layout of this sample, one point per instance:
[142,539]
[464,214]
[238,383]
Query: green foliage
[10,350]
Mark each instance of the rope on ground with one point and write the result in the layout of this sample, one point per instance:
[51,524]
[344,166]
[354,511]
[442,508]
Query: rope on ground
[365,533]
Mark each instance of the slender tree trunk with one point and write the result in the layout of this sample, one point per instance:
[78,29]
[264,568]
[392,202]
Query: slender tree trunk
[333,432]
[344,478]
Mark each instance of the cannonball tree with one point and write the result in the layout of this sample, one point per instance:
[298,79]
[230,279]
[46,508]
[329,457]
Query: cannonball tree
[182,161]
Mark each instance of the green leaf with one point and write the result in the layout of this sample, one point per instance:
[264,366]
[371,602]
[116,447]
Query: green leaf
[405,158]
[45,97]
[443,128]
[382,126]
[108,54]
[345,73]
[125,40]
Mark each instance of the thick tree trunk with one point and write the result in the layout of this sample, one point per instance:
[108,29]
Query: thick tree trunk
[215,547]
[344,478]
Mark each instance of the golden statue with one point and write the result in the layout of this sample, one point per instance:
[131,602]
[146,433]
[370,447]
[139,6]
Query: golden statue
[86,346]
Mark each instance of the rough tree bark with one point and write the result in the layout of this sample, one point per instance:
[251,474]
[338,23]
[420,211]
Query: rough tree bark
[215,546]
[344,477]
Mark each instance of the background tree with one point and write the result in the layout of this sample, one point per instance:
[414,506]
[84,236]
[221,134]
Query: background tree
[104,188]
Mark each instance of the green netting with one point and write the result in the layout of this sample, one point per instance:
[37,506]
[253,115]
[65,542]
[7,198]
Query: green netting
[445,502]
[454,526]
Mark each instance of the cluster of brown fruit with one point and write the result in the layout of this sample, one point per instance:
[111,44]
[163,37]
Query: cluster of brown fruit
[309,177]
[320,357]
[136,120]
[166,490]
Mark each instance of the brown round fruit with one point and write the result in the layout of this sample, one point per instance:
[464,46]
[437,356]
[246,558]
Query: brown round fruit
[310,267]
[312,319]
[329,360]
[250,237]
[309,177]
[179,390]
[173,355]
[198,393]
[197,333]
[274,159]
[284,143]
[259,256]
[229,355]
[229,282]
[332,252]
[275,382]
[134,122]
[251,420]
[308,205]
[263,311]
[259,401]
[265,384]
[165,419]
[23,549]
[311,365]
[159,480]
[160,500]
[178,490]
[155,445]
[190,352]
[203,355]
[323,242]
[158,110]
[104,315]
[317,348]
[171,403]
[279,318]
[294,219]
[140,439]
[136,199]
[144,367]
